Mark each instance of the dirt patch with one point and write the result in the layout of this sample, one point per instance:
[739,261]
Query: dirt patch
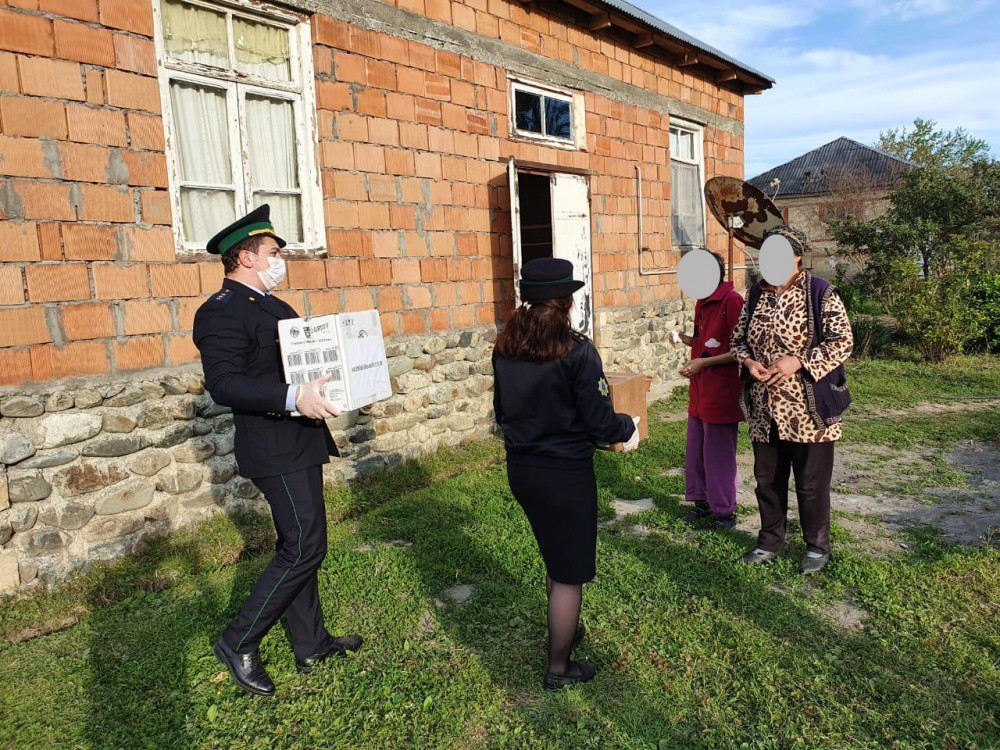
[925,408]
[847,615]
[873,517]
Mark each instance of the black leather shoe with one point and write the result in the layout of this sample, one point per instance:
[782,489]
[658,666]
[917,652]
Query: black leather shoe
[584,672]
[246,669]
[336,646]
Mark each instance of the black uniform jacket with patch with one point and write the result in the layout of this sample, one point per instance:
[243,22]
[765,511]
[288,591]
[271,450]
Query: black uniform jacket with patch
[556,410]
[236,331]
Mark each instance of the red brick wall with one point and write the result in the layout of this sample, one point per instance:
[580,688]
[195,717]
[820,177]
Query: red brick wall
[412,153]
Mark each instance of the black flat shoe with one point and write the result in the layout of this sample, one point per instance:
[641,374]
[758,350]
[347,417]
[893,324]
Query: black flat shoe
[246,670]
[697,514]
[585,672]
[336,647]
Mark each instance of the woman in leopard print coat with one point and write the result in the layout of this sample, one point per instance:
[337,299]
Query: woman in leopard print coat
[776,352]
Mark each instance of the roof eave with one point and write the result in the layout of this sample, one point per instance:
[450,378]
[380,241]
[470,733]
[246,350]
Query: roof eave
[683,49]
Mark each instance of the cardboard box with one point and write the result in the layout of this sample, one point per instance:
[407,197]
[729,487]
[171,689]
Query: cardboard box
[628,396]
[347,346]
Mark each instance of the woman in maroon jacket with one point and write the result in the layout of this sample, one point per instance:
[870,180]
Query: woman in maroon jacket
[713,409]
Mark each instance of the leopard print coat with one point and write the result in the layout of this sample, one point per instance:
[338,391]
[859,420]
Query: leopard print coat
[780,326]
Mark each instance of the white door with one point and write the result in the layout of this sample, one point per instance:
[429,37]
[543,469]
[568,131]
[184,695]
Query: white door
[571,240]
[515,227]
[570,200]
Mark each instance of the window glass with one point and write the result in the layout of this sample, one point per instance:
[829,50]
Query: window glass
[261,50]
[195,35]
[558,119]
[528,111]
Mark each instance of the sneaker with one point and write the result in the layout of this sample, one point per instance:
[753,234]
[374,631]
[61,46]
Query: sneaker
[758,557]
[812,565]
[699,512]
[725,523]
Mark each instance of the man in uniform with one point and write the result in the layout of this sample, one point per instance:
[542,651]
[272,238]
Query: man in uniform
[236,331]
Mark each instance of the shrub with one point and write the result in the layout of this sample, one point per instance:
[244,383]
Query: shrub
[986,298]
[872,336]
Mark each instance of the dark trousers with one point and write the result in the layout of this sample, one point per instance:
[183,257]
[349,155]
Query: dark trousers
[812,466]
[289,585]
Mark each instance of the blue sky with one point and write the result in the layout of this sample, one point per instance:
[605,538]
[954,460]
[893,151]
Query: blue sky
[853,67]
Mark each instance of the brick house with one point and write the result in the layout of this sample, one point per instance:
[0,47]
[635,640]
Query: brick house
[839,179]
[415,153]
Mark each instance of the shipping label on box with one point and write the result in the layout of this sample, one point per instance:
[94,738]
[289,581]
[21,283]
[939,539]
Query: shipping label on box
[348,347]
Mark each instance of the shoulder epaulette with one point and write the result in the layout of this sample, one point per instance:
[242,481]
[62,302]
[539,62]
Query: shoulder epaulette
[222,297]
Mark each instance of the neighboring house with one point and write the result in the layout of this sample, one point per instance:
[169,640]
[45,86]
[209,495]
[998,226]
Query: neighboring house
[842,178]
[415,153]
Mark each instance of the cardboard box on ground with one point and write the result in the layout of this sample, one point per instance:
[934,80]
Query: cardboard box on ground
[628,396]
[347,346]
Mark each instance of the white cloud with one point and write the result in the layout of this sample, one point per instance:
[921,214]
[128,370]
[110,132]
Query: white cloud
[818,99]
[734,27]
[906,10]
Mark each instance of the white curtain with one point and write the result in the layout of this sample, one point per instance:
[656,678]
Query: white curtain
[193,34]
[261,50]
[688,220]
[273,163]
[201,126]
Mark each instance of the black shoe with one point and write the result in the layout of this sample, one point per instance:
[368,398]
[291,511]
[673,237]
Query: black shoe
[724,523]
[812,565]
[699,512]
[336,646]
[245,669]
[580,634]
[584,673]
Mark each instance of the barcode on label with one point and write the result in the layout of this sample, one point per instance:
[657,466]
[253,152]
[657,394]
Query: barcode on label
[298,377]
[330,355]
[295,359]
[312,357]
[334,373]
[315,374]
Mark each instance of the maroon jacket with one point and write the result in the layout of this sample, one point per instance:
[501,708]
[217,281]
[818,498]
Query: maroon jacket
[715,391]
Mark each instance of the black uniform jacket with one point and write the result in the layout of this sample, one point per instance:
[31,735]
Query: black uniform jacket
[556,410]
[236,331]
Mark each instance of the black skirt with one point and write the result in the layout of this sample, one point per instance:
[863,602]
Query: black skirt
[560,501]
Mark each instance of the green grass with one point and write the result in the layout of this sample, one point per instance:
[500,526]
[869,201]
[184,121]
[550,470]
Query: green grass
[695,650]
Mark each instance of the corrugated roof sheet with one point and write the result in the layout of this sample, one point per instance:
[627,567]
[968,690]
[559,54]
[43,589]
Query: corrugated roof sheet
[666,28]
[825,168]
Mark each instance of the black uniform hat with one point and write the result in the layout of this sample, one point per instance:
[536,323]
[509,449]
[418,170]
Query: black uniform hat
[255,223]
[547,278]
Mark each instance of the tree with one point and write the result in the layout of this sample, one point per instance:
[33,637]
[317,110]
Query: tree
[927,146]
[926,258]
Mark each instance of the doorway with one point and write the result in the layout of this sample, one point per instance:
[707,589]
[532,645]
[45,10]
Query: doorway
[550,218]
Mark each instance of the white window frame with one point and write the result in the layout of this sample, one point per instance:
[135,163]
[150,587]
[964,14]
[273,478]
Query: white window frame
[698,161]
[578,139]
[301,91]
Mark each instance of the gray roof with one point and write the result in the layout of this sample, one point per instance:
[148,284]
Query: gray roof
[820,170]
[662,26]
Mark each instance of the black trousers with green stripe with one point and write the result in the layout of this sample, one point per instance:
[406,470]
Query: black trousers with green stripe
[288,586]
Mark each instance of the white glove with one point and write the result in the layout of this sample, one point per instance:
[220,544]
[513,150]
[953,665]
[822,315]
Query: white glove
[633,442]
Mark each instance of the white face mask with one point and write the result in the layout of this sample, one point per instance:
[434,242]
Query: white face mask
[275,272]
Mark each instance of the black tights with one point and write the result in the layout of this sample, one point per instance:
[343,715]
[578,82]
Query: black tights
[564,615]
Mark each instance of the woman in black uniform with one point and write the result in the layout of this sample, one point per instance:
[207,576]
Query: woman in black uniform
[552,403]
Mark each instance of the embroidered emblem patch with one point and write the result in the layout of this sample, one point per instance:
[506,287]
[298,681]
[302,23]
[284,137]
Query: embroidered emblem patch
[602,387]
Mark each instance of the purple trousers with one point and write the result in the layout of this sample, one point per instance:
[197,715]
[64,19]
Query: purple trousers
[710,465]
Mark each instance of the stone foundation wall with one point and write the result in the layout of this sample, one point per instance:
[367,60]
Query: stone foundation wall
[92,467]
